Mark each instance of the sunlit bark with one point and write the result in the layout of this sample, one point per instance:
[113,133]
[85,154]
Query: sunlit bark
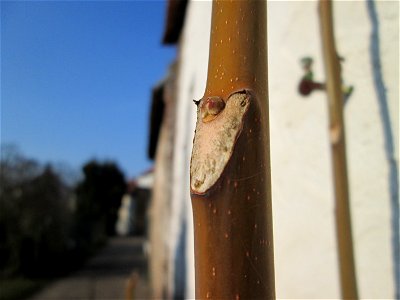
[338,147]
[230,166]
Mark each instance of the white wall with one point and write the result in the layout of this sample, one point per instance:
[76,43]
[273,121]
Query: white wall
[192,75]
[305,246]
[368,165]
[303,202]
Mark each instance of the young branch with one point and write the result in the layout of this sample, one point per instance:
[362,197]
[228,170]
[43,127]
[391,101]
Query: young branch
[337,139]
[230,165]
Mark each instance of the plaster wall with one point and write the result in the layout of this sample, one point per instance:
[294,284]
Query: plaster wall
[193,61]
[302,190]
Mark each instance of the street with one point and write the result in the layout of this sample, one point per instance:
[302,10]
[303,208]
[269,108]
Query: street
[118,271]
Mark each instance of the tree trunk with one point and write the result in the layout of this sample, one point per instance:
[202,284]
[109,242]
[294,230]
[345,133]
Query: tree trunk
[230,165]
[337,139]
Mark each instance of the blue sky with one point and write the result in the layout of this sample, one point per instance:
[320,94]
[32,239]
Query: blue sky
[76,79]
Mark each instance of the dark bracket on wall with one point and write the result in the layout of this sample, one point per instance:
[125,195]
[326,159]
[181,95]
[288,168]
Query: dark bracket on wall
[307,84]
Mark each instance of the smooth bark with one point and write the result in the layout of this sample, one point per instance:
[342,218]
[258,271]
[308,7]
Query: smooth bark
[338,149]
[230,166]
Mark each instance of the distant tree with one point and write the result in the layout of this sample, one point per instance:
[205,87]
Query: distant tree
[34,216]
[38,234]
[45,224]
[98,199]
[15,173]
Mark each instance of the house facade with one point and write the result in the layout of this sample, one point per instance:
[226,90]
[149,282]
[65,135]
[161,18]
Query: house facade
[306,266]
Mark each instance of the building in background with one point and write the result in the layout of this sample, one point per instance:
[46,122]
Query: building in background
[367,36]
[132,214]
